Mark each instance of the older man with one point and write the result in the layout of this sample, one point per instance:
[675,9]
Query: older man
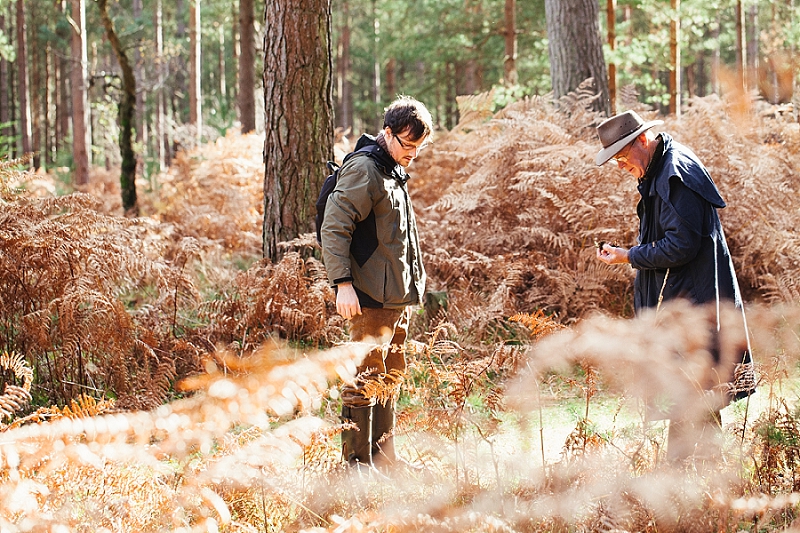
[682,252]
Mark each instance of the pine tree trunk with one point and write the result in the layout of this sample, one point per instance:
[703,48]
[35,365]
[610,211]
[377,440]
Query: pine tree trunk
[715,58]
[5,114]
[235,48]
[741,48]
[344,84]
[47,104]
[675,59]
[472,76]
[35,89]
[611,22]
[127,111]
[22,70]
[576,50]
[298,116]
[376,67]
[752,44]
[247,66]
[177,107]
[62,106]
[81,134]
[141,124]
[510,33]
[223,82]
[160,136]
[195,94]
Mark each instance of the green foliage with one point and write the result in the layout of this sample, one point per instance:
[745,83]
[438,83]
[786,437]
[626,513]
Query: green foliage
[433,43]
[7,50]
[8,143]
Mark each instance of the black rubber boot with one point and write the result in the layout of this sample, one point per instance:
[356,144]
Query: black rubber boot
[357,443]
[382,436]
[384,457]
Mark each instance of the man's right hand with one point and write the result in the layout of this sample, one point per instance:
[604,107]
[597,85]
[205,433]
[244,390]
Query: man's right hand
[612,255]
[347,301]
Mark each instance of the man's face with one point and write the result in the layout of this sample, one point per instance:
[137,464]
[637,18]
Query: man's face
[403,150]
[632,158]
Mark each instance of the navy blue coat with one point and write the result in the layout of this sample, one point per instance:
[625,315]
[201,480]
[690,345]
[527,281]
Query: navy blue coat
[680,230]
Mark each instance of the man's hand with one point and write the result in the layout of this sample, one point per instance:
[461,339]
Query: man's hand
[347,301]
[612,255]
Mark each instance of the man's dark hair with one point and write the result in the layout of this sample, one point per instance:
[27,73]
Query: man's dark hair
[407,113]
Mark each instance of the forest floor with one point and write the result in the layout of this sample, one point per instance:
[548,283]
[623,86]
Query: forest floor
[509,205]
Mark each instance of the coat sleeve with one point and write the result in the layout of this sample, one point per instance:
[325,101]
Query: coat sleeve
[680,226]
[349,203]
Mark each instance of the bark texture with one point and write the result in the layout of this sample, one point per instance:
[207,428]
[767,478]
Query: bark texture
[576,49]
[247,67]
[127,110]
[298,115]
[80,107]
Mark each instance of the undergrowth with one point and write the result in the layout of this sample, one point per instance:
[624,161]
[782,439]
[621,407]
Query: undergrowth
[159,376]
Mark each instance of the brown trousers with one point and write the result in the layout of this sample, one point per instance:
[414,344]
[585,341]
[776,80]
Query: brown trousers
[700,438]
[380,373]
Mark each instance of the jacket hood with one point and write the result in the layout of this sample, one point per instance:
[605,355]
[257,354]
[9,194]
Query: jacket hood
[383,158]
[682,162]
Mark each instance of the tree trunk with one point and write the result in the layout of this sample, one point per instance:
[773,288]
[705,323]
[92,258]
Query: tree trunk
[376,66]
[12,92]
[298,115]
[81,133]
[675,59]
[576,50]
[160,134]
[127,111]
[49,94]
[62,73]
[344,83]
[177,97]
[793,59]
[5,114]
[752,44]
[701,76]
[223,82]
[391,76]
[716,58]
[138,72]
[195,71]
[38,117]
[235,52]
[450,106]
[741,49]
[247,66]
[472,76]
[510,33]
[22,70]
[611,22]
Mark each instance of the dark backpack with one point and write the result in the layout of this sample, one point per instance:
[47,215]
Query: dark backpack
[330,183]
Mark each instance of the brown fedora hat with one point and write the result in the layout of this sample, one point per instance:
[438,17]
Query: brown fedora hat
[616,132]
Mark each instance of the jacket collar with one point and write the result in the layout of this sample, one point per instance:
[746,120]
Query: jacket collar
[383,158]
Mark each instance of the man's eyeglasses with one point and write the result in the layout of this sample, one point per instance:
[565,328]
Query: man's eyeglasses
[622,155]
[408,145]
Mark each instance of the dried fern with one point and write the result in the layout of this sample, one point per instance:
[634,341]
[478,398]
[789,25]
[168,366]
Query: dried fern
[15,397]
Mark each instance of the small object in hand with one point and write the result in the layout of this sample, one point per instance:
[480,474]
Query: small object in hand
[599,244]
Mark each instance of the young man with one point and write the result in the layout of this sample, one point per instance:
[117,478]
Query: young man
[371,251]
[682,252]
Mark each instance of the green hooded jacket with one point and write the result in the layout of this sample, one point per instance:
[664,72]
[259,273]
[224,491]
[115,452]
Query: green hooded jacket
[369,232]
